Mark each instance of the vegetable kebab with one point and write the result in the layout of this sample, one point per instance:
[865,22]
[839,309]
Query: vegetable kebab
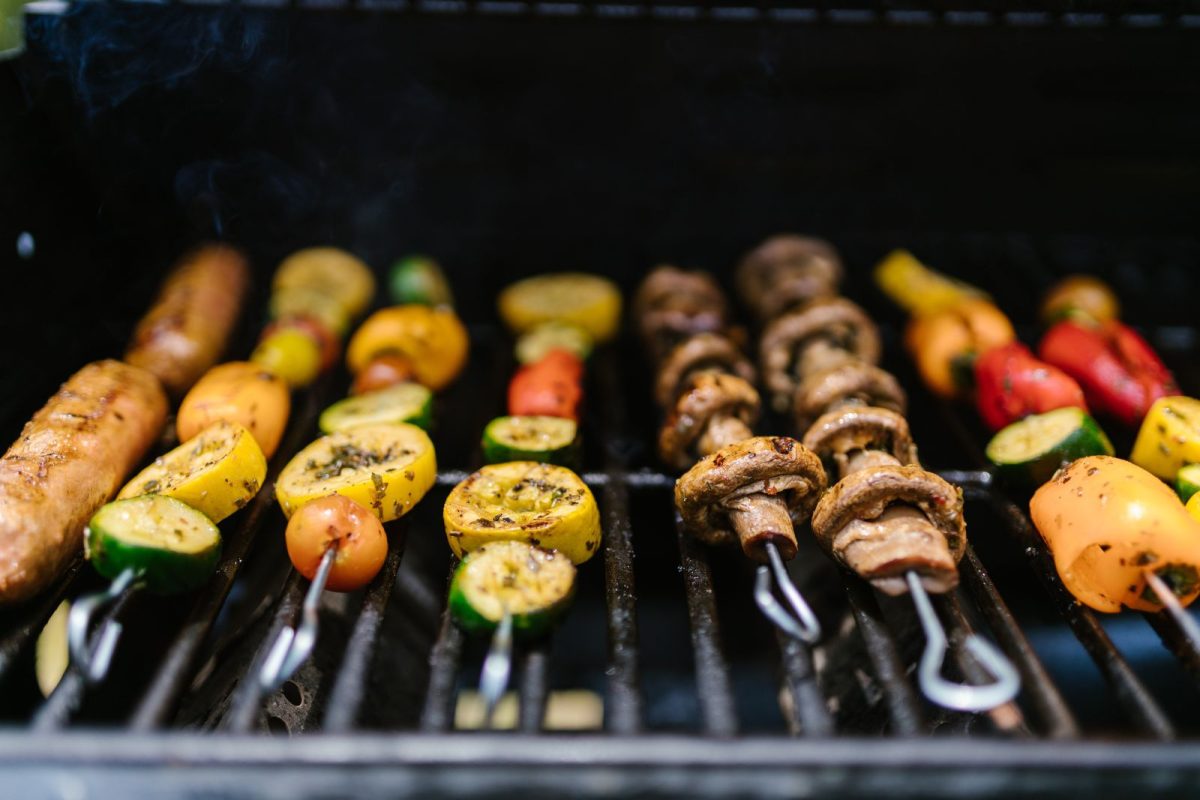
[522,523]
[161,532]
[892,523]
[372,466]
[737,487]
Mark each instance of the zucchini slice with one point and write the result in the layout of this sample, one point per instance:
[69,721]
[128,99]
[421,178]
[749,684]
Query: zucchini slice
[387,468]
[1187,481]
[402,402]
[1029,451]
[550,440]
[216,472]
[420,280]
[170,545]
[532,584]
[533,345]
[544,505]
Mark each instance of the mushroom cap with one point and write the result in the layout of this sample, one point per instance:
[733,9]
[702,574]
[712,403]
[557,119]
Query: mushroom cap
[697,352]
[772,465]
[787,270]
[867,493]
[706,395]
[672,303]
[818,392]
[835,318]
[845,430]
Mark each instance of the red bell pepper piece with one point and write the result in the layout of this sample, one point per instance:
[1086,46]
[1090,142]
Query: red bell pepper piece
[1011,383]
[1120,374]
[549,387]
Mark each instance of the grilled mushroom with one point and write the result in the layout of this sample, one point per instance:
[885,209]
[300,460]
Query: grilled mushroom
[785,271]
[821,335]
[700,352]
[714,410]
[672,304]
[753,492]
[882,522]
[859,437]
[848,384]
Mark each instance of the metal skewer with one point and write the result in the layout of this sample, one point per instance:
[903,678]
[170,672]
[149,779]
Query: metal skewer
[497,667]
[1185,621]
[294,645]
[93,662]
[804,625]
[946,693]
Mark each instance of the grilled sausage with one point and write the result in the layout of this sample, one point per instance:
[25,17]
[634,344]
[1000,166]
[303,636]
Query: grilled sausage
[185,332]
[69,460]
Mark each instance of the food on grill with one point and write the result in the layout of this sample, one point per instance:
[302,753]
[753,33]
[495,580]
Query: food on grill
[1080,297]
[703,352]
[548,388]
[1193,506]
[587,301]
[327,340]
[337,521]
[542,504]
[327,272]
[819,336]
[851,383]
[310,304]
[70,459]
[752,492]
[402,402]
[419,280]
[853,438]
[1030,451]
[534,585]
[945,343]
[383,371]
[386,468]
[240,392]
[919,289]
[215,472]
[550,440]
[787,271]
[170,546]
[884,521]
[432,339]
[1120,374]
[291,354]
[536,343]
[187,328]
[1010,383]
[714,409]
[671,305]
[1169,437]
[1187,482]
[1108,523]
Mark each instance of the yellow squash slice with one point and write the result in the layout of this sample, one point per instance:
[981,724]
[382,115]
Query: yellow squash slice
[586,301]
[330,272]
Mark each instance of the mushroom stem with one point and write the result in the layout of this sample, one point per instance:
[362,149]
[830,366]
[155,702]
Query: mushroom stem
[761,518]
[862,459]
[722,431]
[898,541]
[819,354]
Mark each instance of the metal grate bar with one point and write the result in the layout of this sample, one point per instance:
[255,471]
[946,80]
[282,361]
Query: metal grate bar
[354,673]
[903,705]
[1057,720]
[438,714]
[623,699]
[1180,645]
[532,691]
[175,674]
[1006,717]
[1130,692]
[712,671]
[809,711]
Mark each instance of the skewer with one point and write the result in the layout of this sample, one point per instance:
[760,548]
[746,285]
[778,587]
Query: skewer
[804,625]
[94,661]
[497,668]
[294,644]
[1174,608]
[947,693]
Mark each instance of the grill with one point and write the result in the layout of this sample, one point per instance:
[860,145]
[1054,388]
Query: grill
[374,711]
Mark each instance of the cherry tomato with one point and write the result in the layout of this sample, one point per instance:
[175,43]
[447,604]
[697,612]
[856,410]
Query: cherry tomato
[337,521]
[325,338]
[291,354]
[382,372]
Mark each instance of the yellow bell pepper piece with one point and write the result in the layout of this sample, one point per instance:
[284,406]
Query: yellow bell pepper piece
[432,339]
[919,289]
[216,472]
[1169,437]
[587,301]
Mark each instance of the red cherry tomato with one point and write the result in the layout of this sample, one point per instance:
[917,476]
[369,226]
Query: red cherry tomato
[337,521]
[382,372]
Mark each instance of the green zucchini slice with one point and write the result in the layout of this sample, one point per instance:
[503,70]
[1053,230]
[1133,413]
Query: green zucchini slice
[532,584]
[403,402]
[171,546]
[1187,481]
[1029,451]
[549,440]
[535,343]
[419,280]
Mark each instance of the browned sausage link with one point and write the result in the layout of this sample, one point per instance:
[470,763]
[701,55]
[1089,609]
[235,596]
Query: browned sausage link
[186,330]
[70,459]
